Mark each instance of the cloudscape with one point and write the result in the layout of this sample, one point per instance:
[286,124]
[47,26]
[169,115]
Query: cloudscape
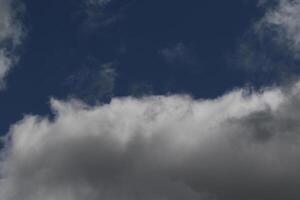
[140,100]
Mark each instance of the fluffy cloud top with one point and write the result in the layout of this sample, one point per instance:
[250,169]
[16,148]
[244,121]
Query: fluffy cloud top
[10,35]
[239,146]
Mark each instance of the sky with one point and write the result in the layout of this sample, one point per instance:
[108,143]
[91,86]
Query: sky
[149,100]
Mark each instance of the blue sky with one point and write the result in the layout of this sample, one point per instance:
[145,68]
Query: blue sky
[152,47]
[203,89]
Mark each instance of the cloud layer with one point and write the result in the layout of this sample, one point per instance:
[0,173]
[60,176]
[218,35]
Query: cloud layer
[239,146]
[10,35]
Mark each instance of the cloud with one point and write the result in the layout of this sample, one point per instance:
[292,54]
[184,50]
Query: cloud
[270,48]
[101,13]
[11,34]
[242,145]
[239,146]
[283,20]
[97,2]
[140,89]
[94,82]
[178,54]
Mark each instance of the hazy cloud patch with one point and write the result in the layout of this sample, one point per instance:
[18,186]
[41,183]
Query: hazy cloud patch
[269,49]
[101,13]
[284,20]
[178,54]
[92,83]
[11,34]
[97,2]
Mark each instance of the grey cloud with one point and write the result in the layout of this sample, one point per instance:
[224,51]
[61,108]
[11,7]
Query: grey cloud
[238,146]
[11,34]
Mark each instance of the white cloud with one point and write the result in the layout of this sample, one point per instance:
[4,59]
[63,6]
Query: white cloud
[284,19]
[10,36]
[238,146]
[271,46]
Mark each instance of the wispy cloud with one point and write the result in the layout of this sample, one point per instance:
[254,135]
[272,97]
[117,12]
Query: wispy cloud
[271,46]
[11,33]
[97,2]
[283,19]
[99,13]
[94,82]
[178,54]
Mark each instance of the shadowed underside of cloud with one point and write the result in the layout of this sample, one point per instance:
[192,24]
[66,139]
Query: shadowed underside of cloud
[239,146]
[11,34]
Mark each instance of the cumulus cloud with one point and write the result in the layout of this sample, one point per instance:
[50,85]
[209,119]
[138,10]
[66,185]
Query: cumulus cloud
[239,146]
[10,35]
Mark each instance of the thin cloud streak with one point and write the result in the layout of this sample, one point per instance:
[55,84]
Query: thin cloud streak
[11,34]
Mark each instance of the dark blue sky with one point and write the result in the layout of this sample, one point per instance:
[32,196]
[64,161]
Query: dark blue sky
[130,47]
